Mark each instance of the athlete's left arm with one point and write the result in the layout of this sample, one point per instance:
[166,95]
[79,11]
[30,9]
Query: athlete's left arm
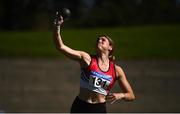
[127,93]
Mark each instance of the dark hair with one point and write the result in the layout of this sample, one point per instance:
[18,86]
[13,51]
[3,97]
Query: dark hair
[111,43]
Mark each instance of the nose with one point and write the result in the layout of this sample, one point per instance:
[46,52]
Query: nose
[100,40]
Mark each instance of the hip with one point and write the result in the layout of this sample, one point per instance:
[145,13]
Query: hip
[82,106]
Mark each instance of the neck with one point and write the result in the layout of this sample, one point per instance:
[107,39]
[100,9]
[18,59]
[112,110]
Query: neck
[103,58]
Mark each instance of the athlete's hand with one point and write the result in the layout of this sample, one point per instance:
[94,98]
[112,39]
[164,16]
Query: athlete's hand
[58,20]
[112,97]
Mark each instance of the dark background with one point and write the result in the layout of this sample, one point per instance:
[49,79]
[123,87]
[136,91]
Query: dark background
[38,14]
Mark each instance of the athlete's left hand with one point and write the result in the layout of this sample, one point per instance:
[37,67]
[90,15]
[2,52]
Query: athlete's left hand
[112,97]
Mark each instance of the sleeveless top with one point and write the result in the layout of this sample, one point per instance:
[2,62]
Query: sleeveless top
[94,79]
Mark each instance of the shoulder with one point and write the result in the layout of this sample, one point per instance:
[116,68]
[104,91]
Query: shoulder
[119,71]
[85,59]
[85,55]
[118,68]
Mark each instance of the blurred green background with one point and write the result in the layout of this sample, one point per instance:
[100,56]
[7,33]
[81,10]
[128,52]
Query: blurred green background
[138,42]
[35,77]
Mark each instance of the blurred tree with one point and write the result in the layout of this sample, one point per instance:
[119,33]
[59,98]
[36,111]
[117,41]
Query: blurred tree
[38,14]
[112,13]
[20,14]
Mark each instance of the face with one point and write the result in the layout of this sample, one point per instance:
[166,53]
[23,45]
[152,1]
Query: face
[103,44]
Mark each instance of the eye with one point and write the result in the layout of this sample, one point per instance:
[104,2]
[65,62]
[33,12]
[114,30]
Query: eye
[103,39]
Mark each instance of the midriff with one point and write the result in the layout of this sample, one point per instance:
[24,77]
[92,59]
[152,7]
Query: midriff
[91,97]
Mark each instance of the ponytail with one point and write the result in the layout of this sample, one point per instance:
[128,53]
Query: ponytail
[111,42]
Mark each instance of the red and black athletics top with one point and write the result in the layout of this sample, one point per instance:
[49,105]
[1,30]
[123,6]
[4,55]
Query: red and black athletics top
[94,79]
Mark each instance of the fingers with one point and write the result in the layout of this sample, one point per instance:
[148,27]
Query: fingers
[109,96]
[113,97]
[57,13]
[58,20]
[61,17]
[113,100]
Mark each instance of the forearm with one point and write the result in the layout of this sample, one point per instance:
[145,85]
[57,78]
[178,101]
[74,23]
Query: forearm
[127,96]
[57,38]
[69,52]
[119,96]
[128,93]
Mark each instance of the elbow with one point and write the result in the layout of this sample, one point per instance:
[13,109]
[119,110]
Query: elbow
[59,48]
[130,98]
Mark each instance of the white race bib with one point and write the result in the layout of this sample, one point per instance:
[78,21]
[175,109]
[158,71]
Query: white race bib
[98,82]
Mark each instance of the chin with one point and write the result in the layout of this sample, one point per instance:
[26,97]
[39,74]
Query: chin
[98,49]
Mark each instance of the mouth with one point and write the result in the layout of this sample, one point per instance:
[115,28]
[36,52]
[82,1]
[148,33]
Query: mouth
[99,43]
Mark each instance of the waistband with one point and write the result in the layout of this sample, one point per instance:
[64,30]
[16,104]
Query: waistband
[90,104]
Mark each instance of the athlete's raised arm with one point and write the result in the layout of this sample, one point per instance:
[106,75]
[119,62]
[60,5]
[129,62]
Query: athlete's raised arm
[77,55]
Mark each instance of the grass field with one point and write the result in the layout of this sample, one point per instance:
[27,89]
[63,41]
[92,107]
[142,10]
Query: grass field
[145,42]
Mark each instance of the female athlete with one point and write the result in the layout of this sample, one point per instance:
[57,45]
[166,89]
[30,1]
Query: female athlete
[98,74]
